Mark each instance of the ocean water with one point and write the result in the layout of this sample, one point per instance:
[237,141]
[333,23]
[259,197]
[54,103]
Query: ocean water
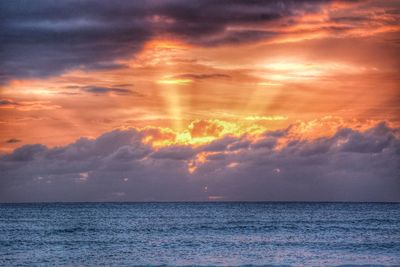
[127,234]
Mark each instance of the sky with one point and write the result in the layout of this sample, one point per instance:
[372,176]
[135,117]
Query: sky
[199,100]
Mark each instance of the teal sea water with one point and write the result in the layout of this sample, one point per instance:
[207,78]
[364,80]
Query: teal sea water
[127,234]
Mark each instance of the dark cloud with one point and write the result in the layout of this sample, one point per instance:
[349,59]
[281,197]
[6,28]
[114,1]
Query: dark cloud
[349,166]
[26,153]
[105,90]
[46,37]
[13,141]
[7,102]
[27,105]
[174,153]
[42,38]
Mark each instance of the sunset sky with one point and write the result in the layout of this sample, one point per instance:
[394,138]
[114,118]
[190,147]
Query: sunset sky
[199,100]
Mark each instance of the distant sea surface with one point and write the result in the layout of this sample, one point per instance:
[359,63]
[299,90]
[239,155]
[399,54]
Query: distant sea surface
[127,234]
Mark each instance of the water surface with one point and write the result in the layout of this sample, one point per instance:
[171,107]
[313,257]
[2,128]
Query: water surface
[126,234]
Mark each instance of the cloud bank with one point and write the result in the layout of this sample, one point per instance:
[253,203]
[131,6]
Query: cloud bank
[350,165]
[42,38]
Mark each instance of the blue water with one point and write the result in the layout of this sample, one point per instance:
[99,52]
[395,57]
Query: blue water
[127,234]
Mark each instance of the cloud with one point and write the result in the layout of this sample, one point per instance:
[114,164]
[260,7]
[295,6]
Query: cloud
[202,128]
[44,38]
[202,76]
[27,105]
[98,90]
[266,118]
[13,141]
[350,165]
[5,103]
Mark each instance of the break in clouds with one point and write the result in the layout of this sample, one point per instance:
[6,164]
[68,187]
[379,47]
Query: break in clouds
[351,165]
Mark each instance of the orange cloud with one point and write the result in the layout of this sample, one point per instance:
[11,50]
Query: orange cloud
[27,105]
[238,87]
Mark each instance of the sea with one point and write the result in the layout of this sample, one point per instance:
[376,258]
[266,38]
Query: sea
[202,234]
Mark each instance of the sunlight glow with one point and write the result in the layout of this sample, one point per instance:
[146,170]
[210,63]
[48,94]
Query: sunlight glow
[174,81]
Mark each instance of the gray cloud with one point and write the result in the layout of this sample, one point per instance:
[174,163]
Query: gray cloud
[7,102]
[42,38]
[105,90]
[13,141]
[118,166]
